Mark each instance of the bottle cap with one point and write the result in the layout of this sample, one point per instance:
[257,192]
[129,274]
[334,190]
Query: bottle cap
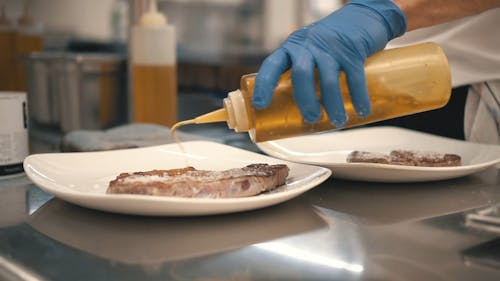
[237,115]
[153,18]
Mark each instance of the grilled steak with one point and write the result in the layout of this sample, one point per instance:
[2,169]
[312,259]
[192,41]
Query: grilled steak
[368,157]
[407,158]
[190,182]
[426,159]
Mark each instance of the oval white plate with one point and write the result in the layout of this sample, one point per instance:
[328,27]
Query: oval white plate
[82,178]
[331,149]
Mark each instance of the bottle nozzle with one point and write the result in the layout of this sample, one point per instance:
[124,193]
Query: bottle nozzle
[234,113]
[152,17]
[219,115]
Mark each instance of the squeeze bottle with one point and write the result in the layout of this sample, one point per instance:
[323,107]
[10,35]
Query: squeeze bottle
[400,81]
[7,53]
[153,63]
[29,39]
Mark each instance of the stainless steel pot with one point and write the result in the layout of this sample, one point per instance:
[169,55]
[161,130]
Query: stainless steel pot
[77,91]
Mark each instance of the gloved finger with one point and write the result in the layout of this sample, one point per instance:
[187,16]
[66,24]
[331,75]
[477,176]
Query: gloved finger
[330,89]
[267,77]
[356,81]
[304,93]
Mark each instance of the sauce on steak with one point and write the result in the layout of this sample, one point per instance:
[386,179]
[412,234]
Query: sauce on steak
[190,182]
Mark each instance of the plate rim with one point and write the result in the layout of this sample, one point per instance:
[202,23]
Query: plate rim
[262,200]
[267,147]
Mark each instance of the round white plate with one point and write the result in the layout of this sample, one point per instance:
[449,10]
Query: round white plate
[331,149]
[82,178]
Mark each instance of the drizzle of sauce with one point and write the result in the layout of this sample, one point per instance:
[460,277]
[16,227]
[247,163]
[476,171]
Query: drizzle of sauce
[177,140]
[219,115]
[173,130]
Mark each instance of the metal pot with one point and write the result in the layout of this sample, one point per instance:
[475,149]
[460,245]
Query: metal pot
[77,91]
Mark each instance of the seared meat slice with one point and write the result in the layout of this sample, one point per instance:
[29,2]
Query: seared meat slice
[367,157]
[406,158]
[424,159]
[190,182]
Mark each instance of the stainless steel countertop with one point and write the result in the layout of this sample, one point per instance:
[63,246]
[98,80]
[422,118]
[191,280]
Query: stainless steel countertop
[340,230]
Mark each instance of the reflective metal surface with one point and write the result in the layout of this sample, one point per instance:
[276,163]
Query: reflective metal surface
[340,230]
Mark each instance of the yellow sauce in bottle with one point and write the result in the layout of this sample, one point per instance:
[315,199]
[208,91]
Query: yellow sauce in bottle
[400,82]
[155,94]
[153,68]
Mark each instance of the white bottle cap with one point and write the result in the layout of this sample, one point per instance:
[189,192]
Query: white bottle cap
[152,18]
[237,111]
[153,40]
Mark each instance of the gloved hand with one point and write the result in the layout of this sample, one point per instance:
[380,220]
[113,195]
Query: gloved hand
[340,41]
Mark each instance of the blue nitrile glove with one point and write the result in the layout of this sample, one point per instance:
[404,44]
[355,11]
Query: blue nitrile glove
[340,41]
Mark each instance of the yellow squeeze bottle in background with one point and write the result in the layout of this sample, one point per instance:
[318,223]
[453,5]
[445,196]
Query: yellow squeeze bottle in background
[7,53]
[154,71]
[400,82]
[29,39]
[16,43]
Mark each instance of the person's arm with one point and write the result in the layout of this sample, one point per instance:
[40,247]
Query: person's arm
[425,13]
[340,41]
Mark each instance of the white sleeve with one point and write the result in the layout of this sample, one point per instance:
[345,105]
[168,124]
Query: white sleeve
[471,44]
[482,113]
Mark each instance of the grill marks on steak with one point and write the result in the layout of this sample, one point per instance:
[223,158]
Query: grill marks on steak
[190,182]
[406,158]
[425,159]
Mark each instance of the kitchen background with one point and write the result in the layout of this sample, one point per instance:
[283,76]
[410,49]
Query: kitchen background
[218,24]
[71,56]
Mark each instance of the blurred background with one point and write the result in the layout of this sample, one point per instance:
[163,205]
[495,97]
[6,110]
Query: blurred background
[212,33]
[72,57]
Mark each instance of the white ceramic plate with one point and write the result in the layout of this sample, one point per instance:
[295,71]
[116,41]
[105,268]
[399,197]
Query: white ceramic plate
[331,149]
[82,178]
